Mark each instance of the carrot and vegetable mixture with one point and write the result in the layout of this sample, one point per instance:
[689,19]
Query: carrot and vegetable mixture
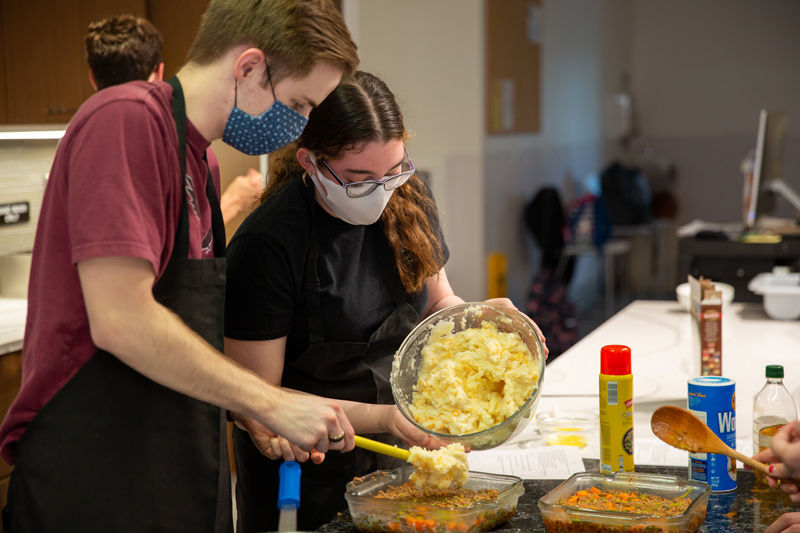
[422,519]
[456,497]
[626,502]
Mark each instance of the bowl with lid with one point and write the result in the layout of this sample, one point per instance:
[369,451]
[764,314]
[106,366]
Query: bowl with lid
[408,366]
[781,293]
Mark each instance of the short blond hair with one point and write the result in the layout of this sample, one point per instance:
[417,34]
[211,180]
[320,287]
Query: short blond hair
[295,35]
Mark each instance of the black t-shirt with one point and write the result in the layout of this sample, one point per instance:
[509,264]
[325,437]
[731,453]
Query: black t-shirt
[265,296]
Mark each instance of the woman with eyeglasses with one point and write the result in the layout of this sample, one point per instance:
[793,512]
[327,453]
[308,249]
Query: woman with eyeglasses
[344,256]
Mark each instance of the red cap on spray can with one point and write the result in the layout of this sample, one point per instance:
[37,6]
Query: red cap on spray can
[615,360]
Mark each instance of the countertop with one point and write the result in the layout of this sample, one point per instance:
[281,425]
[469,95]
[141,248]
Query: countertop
[750,508]
[659,334]
[663,359]
[13,312]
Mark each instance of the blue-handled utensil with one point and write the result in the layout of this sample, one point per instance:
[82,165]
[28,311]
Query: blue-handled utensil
[288,495]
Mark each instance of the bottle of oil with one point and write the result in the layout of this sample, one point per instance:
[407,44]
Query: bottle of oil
[616,409]
[773,408]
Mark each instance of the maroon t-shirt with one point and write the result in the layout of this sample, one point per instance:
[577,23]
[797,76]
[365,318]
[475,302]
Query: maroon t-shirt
[114,190]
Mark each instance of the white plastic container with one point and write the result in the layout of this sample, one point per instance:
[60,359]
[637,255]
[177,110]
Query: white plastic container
[781,292]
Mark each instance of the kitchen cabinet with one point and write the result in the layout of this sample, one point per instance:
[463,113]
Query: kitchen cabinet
[44,77]
[3,108]
[43,59]
[178,22]
[513,66]
[10,379]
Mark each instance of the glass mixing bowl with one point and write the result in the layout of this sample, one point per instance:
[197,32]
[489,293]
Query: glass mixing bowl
[407,362]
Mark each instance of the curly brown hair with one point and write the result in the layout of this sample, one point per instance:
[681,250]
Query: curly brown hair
[122,48]
[361,110]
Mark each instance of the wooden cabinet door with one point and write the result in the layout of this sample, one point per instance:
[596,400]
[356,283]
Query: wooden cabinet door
[3,103]
[10,379]
[46,74]
[178,22]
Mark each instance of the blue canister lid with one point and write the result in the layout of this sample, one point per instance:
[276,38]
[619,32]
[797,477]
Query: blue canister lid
[711,381]
[289,488]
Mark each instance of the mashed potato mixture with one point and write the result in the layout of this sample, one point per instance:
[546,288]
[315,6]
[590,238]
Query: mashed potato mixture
[471,380]
[442,468]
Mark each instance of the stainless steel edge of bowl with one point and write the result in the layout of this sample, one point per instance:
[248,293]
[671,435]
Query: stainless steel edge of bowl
[468,315]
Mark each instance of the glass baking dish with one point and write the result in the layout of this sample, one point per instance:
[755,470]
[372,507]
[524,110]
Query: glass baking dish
[563,519]
[371,514]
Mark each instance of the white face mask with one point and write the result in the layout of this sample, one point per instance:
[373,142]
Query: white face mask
[361,211]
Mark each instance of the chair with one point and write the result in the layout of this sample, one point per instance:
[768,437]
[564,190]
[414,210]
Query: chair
[611,251]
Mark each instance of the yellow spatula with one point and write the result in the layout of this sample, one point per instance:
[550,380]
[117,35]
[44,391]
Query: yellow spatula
[441,475]
[380,447]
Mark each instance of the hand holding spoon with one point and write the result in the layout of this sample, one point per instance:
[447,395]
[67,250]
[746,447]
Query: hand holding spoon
[681,429]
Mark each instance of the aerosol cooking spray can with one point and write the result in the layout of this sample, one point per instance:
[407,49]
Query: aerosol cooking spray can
[616,409]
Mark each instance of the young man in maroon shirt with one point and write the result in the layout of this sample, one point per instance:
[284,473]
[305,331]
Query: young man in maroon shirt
[118,426]
[124,48]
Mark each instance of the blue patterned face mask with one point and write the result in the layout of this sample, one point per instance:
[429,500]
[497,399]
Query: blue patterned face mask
[257,135]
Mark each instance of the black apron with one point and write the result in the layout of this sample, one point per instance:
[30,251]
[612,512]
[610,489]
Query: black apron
[353,371]
[115,451]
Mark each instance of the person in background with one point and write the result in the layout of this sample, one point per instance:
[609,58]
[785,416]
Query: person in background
[125,48]
[783,456]
[241,194]
[119,424]
[344,256]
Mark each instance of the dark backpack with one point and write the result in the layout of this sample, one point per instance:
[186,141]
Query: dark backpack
[626,194]
[547,304]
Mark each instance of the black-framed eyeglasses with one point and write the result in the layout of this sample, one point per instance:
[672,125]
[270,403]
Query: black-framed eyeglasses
[359,189]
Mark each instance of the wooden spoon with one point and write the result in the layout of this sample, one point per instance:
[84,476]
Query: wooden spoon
[681,429]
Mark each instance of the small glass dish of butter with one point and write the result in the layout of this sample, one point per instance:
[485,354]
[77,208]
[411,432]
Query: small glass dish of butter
[566,428]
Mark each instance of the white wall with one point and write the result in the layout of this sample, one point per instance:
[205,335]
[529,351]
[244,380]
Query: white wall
[434,62]
[430,54]
[701,73]
[584,55]
[23,167]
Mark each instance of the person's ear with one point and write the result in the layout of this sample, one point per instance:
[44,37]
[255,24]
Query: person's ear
[158,73]
[91,80]
[304,156]
[248,63]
